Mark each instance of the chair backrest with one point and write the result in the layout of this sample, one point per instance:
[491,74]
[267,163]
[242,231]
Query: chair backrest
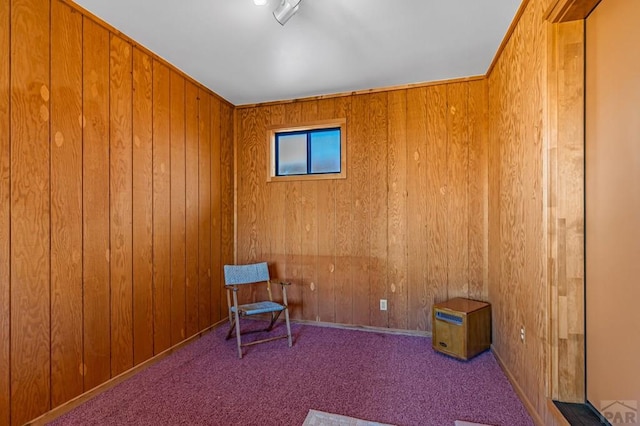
[246,274]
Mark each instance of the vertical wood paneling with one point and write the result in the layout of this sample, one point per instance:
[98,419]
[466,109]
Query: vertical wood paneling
[419,255]
[226,182]
[95,202]
[309,233]
[142,207]
[92,222]
[121,175]
[358,153]
[191,200]
[344,282]
[326,232]
[204,209]
[478,194]
[161,208]
[378,195]
[397,209]
[66,203]
[178,233]
[293,228]
[5,212]
[247,209]
[216,211]
[30,207]
[276,193]
[567,211]
[437,194]
[527,261]
[259,242]
[382,233]
[457,191]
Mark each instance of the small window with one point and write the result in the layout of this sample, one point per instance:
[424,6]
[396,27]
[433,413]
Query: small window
[313,151]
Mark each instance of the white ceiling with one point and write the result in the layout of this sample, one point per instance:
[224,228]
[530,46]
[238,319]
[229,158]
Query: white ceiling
[239,51]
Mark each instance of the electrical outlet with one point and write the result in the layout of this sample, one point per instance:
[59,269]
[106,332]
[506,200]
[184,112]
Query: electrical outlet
[522,333]
[383,304]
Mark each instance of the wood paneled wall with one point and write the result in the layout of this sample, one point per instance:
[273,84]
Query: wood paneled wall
[115,180]
[536,220]
[408,224]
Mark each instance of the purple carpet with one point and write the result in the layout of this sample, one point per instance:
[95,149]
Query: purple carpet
[381,377]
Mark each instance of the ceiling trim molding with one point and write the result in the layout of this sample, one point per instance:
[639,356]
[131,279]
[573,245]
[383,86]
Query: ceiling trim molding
[507,36]
[570,10]
[366,91]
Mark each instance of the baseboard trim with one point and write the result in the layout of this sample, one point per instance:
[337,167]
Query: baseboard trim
[82,398]
[516,386]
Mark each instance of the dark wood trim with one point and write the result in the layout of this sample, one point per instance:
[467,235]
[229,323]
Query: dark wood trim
[570,10]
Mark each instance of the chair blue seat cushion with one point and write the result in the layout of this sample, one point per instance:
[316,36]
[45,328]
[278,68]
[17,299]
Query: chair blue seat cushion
[258,308]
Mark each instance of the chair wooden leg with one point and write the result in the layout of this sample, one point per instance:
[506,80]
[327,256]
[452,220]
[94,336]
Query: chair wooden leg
[286,317]
[238,335]
[232,324]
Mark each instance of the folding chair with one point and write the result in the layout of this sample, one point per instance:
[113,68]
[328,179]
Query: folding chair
[257,273]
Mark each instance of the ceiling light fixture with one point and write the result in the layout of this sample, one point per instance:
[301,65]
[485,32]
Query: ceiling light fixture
[286,10]
[259,2]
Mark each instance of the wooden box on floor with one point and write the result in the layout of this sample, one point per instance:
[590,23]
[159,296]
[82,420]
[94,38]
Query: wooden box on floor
[461,327]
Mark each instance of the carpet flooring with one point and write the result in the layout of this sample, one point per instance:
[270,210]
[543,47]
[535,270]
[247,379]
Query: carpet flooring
[380,377]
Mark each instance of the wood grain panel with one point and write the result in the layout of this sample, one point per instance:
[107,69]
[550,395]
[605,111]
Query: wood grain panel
[437,194]
[343,219]
[226,183]
[247,213]
[78,208]
[244,118]
[216,212]
[178,231]
[457,191]
[478,195]
[309,233]
[378,195]
[344,283]
[533,196]
[293,229]
[142,208]
[247,210]
[5,212]
[358,153]
[526,227]
[161,208]
[418,254]
[191,200]
[30,209]
[568,210]
[326,238]
[204,203]
[95,205]
[276,193]
[397,209]
[257,184]
[66,203]
[121,178]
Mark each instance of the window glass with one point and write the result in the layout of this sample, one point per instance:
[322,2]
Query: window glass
[292,154]
[325,151]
